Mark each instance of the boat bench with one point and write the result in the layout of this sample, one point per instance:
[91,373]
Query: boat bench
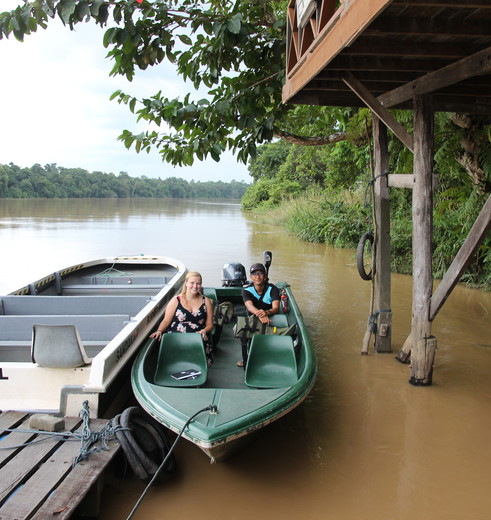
[90,327]
[24,305]
[129,280]
[112,289]
[20,351]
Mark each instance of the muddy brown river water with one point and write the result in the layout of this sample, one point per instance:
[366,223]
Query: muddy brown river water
[365,444]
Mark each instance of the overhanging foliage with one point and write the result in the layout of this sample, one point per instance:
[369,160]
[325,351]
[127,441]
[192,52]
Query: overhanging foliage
[233,52]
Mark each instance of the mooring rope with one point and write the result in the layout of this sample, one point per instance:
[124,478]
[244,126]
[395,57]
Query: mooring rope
[211,408]
[87,438]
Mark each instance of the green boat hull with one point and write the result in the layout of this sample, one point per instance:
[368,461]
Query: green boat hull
[241,410]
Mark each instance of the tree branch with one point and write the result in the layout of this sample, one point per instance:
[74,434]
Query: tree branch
[311,141]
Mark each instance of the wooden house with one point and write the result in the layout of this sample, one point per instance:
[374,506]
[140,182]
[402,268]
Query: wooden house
[424,55]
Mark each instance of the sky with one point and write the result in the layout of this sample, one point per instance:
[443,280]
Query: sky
[55,108]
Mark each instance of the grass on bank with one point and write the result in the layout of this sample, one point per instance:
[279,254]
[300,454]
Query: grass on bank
[340,219]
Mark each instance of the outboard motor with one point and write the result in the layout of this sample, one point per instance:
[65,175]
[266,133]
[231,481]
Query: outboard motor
[234,275]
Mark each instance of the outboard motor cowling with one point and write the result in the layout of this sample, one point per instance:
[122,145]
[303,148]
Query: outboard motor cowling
[234,275]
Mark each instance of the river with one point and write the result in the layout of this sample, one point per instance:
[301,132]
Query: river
[365,444]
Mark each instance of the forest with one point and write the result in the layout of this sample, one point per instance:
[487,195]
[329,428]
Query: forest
[52,181]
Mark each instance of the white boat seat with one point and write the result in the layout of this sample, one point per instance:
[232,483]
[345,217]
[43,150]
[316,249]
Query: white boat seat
[58,346]
[90,327]
[108,290]
[11,305]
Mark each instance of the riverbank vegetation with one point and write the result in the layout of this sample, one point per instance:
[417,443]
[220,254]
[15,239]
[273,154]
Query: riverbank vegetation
[324,193]
[52,181]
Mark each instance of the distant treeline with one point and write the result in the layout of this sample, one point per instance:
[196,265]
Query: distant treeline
[52,181]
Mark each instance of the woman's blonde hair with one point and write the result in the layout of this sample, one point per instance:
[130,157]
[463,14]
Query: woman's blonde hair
[190,274]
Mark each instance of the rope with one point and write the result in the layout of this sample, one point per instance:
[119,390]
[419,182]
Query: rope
[87,438]
[211,408]
[371,184]
[112,271]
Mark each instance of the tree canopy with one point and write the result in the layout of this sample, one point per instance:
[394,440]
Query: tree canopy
[231,53]
[52,181]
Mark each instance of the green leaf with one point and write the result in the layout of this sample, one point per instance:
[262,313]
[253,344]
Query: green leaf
[65,10]
[234,25]
[185,39]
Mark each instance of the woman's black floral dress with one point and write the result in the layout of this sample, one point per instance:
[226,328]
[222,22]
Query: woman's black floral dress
[187,321]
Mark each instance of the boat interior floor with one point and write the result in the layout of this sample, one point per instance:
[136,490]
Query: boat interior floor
[224,373]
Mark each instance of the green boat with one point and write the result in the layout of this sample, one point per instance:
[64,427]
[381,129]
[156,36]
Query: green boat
[172,382]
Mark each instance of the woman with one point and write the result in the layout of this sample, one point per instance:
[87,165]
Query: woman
[190,311]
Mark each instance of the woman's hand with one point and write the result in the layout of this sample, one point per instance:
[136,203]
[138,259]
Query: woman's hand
[156,335]
[203,334]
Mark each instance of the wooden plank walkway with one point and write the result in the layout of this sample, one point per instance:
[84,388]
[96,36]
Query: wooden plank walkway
[38,480]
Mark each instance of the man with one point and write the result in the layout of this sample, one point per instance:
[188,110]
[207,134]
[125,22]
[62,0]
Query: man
[262,299]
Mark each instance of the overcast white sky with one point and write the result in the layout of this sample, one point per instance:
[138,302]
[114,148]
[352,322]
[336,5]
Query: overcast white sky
[55,108]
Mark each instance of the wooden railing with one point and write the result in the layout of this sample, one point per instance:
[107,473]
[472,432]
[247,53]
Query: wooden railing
[306,20]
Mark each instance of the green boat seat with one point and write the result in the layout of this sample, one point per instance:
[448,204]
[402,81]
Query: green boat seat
[180,352]
[279,320]
[210,292]
[271,362]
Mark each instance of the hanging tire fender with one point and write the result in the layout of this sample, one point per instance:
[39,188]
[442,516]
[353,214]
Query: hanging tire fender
[360,254]
[144,443]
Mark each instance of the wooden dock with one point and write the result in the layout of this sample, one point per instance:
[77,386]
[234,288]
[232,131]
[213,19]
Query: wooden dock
[37,479]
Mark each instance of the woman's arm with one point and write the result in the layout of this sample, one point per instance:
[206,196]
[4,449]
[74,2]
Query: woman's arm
[209,315]
[170,311]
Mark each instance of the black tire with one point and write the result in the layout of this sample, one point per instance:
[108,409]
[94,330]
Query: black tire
[360,255]
[144,443]
[128,450]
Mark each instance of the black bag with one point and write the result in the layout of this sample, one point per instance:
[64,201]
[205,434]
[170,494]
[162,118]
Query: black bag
[223,313]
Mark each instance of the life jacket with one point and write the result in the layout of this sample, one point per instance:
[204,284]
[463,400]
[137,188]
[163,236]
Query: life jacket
[264,297]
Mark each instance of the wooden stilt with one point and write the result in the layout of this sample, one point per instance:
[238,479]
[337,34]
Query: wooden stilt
[423,350]
[423,365]
[382,238]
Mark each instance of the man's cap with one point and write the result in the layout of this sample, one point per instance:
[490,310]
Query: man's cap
[257,267]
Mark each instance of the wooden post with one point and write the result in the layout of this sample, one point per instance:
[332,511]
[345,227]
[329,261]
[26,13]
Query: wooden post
[423,344]
[382,238]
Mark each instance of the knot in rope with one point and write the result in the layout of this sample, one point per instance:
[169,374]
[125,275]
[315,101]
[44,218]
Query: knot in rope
[89,438]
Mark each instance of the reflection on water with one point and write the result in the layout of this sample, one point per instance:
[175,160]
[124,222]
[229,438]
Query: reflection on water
[365,444]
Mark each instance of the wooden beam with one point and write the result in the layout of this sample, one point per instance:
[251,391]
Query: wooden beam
[384,115]
[435,26]
[406,180]
[444,3]
[384,63]
[477,234]
[396,46]
[475,65]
